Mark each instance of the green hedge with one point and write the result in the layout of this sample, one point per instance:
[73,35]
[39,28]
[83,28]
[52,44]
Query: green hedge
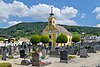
[5,64]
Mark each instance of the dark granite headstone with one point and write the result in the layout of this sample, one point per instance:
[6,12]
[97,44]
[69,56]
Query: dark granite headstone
[25,47]
[9,50]
[22,53]
[4,55]
[1,51]
[35,59]
[83,53]
[92,50]
[63,56]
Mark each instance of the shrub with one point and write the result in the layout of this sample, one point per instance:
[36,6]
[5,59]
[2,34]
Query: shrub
[76,39]
[71,57]
[5,64]
[10,57]
[0,56]
[62,38]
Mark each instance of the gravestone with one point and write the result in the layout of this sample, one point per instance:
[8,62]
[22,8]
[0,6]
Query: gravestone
[83,53]
[63,48]
[63,56]
[44,52]
[22,53]
[35,59]
[92,50]
[25,47]
[29,46]
[50,45]
[9,50]
[1,51]
[98,46]
[56,52]
[53,49]
[4,55]
[17,49]
[72,50]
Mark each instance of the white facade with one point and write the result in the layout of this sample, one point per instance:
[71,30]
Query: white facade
[91,38]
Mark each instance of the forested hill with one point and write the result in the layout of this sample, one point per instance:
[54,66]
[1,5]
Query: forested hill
[28,29]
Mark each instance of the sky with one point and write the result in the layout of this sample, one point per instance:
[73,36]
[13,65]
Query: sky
[67,12]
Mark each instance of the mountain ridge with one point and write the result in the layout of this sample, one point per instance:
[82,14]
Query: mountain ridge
[29,28]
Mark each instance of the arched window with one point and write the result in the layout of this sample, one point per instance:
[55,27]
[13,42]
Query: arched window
[50,21]
[53,21]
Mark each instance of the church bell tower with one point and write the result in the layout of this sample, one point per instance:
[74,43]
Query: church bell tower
[51,19]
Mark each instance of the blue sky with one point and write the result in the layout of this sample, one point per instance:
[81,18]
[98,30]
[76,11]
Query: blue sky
[67,12]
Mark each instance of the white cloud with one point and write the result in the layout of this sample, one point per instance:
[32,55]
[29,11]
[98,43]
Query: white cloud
[11,23]
[18,9]
[69,12]
[97,11]
[98,16]
[83,15]
[42,11]
[98,25]
[38,12]
[14,9]
[4,10]
[67,22]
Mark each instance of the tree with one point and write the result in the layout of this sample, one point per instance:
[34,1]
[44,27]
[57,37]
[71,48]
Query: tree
[45,39]
[76,39]
[1,39]
[34,40]
[62,38]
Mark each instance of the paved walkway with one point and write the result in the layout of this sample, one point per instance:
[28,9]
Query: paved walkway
[91,61]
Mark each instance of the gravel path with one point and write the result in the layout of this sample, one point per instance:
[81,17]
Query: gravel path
[91,61]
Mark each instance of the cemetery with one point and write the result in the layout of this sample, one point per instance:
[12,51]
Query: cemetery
[54,47]
[43,56]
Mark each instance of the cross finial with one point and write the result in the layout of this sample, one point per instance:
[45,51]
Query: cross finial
[51,11]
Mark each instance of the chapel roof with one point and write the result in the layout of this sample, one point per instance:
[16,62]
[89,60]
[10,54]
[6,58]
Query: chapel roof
[63,30]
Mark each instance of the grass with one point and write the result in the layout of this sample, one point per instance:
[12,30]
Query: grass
[71,57]
[5,64]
